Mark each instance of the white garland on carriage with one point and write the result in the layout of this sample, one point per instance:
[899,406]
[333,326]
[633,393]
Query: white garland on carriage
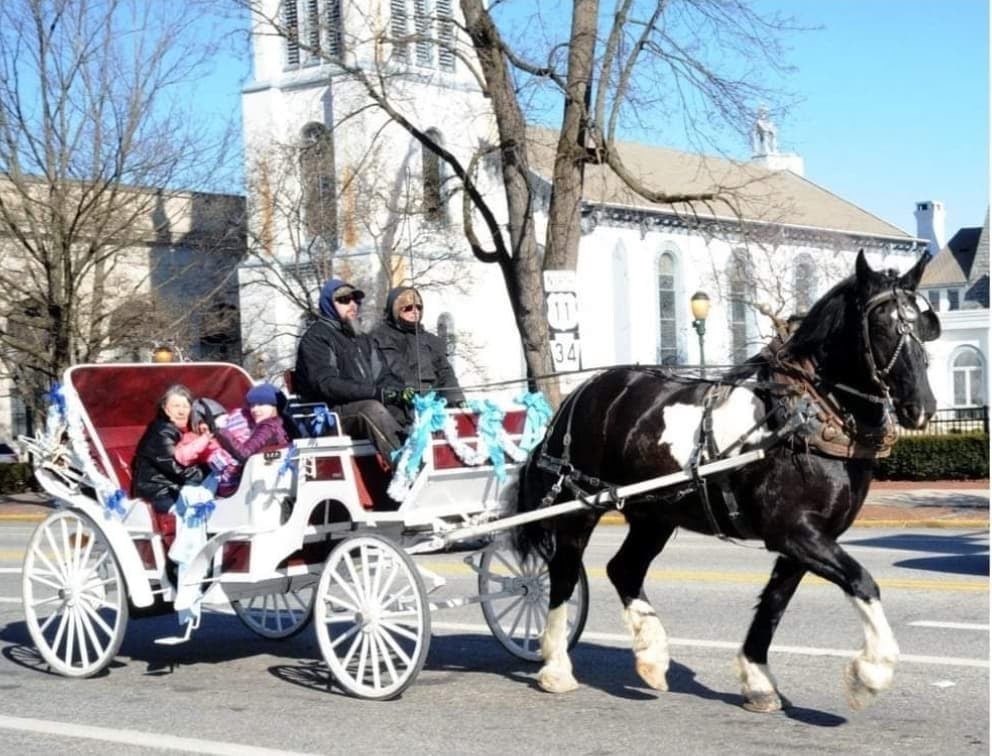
[430,416]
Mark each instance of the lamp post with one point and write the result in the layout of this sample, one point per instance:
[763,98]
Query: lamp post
[700,304]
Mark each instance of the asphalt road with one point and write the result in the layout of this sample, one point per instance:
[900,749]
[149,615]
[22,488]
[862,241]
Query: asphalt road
[227,691]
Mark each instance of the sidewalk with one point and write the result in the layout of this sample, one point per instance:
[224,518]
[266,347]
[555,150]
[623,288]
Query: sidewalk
[891,504]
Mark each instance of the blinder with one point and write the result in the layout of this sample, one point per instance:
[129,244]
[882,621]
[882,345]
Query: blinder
[919,324]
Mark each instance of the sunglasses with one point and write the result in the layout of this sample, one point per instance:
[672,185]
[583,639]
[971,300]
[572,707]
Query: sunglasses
[349,298]
[412,307]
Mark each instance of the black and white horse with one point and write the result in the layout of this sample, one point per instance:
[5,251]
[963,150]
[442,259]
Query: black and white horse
[857,353]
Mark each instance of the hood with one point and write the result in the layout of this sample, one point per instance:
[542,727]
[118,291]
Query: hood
[389,312]
[327,308]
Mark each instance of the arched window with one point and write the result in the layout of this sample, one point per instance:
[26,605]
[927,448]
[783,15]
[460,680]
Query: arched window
[741,288]
[968,377]
[446,332]
[317,178]
[805,283]
[434,205]
[668,347]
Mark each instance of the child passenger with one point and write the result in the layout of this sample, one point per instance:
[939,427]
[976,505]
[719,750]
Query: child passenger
[265,427]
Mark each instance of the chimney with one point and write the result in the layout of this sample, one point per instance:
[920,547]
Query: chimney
[930,224]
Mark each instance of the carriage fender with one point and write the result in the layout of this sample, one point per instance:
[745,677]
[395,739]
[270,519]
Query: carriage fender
[731,419]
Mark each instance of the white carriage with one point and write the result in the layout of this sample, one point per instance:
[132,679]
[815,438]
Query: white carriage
[310,534]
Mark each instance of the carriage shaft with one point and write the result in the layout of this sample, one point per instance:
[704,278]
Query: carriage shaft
[603,497]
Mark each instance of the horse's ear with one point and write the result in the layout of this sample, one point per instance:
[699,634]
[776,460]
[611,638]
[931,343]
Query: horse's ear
[863,272]
[911,278]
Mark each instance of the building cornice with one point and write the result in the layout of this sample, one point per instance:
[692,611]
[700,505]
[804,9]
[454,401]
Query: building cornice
[647,220]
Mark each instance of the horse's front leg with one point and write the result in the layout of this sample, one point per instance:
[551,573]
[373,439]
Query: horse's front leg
[871,671]
[626,571]
[758,687]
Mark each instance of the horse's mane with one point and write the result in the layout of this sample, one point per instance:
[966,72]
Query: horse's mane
[825,319]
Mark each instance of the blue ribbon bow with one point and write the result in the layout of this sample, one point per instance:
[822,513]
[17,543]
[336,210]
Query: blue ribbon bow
[430,417]
[115,502]
[56,396]
[490,429]
[537,418]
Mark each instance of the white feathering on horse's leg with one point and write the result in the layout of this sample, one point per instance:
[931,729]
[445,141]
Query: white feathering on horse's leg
[650,643]
[758,687]
[871,671]
[556,674]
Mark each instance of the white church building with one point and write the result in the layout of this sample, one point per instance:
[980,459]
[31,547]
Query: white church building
[336,187]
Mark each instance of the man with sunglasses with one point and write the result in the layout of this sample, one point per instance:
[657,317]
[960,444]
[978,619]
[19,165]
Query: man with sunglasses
[337,365]
[414,360]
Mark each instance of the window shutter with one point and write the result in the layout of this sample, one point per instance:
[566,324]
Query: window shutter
[398,29]
[445,36]
[291,22]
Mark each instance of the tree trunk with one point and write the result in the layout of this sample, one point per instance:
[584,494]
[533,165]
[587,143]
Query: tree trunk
[523,274]
[564,213]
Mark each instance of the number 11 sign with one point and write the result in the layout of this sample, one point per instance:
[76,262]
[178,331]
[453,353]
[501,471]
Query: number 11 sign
[563,319]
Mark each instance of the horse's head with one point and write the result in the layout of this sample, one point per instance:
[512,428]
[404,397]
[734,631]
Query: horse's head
[893,331]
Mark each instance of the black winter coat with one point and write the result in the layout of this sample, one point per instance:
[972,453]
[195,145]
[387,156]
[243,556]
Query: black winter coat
[415,358]
[158,477]
[334,366]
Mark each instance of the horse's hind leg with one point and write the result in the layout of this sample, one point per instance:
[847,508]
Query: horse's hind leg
[757,684]
[871,671]
[563,571]
[626,571]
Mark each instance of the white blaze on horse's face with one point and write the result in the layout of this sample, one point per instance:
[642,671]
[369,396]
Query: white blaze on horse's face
[731,420]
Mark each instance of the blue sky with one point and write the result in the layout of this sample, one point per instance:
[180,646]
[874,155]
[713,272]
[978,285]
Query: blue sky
[893,102]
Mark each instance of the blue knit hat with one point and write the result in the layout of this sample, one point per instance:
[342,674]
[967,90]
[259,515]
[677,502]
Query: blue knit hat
[263,393]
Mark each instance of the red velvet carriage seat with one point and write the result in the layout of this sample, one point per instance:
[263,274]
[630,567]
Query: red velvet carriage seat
[118,402]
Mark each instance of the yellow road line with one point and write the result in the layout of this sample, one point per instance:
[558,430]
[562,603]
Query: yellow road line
[457,569]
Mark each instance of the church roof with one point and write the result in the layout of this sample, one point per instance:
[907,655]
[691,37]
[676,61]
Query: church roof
[754,193]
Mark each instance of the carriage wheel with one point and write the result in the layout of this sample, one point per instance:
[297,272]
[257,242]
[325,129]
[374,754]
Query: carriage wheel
[277,615]
[372,618]
[75,602]
[518,619]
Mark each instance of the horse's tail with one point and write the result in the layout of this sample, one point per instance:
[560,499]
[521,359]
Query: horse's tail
[525,495]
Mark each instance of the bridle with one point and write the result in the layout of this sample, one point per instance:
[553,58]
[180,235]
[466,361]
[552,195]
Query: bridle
[906,320]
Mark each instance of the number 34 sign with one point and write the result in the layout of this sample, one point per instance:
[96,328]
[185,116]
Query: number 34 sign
[563,319]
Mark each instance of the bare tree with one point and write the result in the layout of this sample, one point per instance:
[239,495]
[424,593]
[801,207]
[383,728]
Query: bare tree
[701,61]
[96,139]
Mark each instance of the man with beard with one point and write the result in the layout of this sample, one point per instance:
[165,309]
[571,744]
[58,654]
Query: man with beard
[335,364]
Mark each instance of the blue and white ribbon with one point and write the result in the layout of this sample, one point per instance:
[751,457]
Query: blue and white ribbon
[494,443]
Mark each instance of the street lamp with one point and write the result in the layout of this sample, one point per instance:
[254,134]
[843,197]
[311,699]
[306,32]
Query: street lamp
[163,353]
[700,304]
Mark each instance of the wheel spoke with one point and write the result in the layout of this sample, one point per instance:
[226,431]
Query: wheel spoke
[517,600]
[355,579]
[340,602]
[344,636]
[380,596]
[513,568]
[374,662]
[60,567]
[395,599]
[84,632]
[386,657]
[35,577]
[94,616]
[387,637]
[363,655]
[400,630]
[339,582]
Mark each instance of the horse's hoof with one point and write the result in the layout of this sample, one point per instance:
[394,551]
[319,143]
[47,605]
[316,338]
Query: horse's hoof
[864,680]
[556,682]
[764,703]
[652,674]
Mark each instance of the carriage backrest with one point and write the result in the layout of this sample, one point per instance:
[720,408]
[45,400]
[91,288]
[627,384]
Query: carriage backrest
[119,401]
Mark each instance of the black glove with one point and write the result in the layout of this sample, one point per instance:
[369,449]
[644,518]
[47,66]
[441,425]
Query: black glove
[387,395]
[406,396]
[211,422]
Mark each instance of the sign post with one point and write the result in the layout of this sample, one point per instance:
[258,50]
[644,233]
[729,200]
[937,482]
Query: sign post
[562,305]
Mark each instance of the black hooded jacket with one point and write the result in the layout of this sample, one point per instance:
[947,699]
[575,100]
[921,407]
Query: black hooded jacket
[334,364]
[411,356]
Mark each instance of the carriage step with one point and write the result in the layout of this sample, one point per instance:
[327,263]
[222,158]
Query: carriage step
[175,640]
